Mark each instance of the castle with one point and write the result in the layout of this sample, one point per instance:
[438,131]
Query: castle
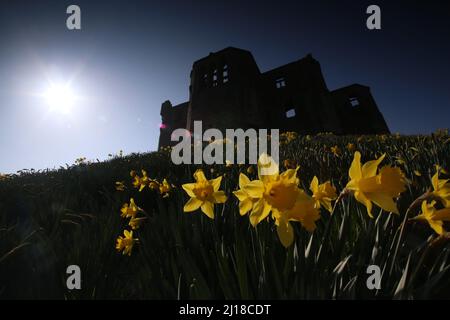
[228,91]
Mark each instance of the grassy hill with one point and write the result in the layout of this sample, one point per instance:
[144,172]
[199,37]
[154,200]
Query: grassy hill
[72,216]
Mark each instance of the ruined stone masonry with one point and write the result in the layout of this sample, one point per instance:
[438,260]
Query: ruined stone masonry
[228,91]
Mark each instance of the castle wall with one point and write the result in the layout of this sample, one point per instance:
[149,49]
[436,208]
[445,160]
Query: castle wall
[227,90]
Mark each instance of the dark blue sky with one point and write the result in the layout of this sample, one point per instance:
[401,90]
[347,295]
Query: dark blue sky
[132,55]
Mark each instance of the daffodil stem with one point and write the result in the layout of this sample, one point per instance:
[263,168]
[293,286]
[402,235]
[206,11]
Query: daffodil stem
[418,201]
[413,205]
[343,194]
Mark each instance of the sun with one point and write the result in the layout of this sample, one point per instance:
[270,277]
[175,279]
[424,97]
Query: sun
[60,98]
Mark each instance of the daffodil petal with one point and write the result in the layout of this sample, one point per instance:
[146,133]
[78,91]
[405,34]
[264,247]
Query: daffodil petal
[219,197]
[267,168]
[254,189]
[189,188]
[260,211]
[314,186]
[285,233]
[436,225]
[241,195]
[442,214]
[435,180]
[216,183]
[208,209]
[384,201]
[326,203]
[359,196]
[355,168]
[192,205]
[243,180]
[245,206]
[290,175]
[369,169]
[199,175]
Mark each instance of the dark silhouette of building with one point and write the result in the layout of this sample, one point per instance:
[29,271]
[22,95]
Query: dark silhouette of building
[228,91]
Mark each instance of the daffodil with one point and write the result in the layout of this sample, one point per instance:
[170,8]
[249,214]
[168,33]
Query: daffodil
[351,147]
[367,186]
[273,191]
[130,210]
[441,188]
[120,186]
[336,151]
[290,136]
[323,193]
[140,182]
[135,223]
[245,201]
[153,185]
[204,194]
[303,211]
[165,188]
[279,194]
[126,243]
[434,217]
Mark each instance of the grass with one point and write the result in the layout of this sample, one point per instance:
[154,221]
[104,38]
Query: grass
[52,219]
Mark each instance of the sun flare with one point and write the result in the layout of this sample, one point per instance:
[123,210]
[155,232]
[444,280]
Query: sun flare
[60,98]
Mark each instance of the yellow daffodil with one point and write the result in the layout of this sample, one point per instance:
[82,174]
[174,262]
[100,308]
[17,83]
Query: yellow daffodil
[368,186]
[280,194]
[153,185]
[441,188]
[135,223]
[336,151]
[290,136]
[434,217]
[120,186]
[130,210]
[245,201]
[165,188]
[323,193]
[126,243]
[303,211]
[274,191]
[140,182]
[204,194]
[351,147]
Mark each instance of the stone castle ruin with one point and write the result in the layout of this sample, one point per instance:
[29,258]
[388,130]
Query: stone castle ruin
[228,91]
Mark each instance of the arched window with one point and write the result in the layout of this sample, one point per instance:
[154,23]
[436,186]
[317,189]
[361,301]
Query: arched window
[290,112]
[215,78]
[354,101]
[225,74]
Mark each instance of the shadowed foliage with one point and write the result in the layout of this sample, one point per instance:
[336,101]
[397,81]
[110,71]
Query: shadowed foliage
[52,219]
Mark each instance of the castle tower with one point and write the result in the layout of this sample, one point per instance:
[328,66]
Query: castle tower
[224,91]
